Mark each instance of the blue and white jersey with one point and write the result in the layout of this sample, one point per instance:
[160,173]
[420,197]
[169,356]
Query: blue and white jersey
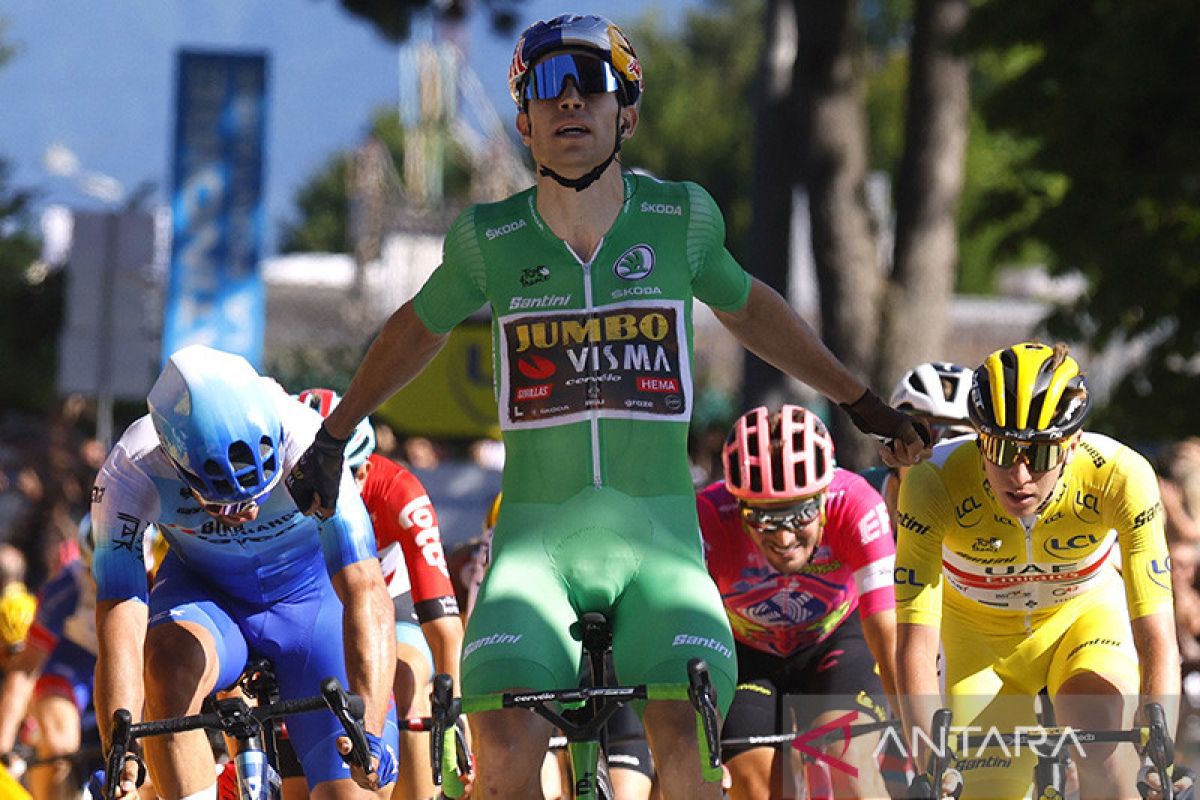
[261,561]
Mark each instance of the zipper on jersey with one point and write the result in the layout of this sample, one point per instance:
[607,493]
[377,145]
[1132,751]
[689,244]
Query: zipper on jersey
[593,385]
[1029,560]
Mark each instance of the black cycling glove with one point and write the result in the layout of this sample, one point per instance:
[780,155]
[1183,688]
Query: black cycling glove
[876,418]
[318,473]
[1178,773]
[922,787]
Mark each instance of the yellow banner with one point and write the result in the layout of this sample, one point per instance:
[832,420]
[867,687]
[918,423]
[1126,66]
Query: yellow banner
[453,398]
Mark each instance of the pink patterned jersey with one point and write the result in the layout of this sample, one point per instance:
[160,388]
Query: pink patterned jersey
[781,614]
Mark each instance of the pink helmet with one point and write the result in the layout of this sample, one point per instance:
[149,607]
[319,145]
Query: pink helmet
[778,456]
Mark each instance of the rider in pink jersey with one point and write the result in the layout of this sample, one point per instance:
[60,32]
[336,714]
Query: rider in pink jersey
[802,553]
[782,613]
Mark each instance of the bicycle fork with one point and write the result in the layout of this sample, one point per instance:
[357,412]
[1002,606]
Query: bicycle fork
[257,779]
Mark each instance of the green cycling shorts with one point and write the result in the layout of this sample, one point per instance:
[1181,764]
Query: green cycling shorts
[637,560]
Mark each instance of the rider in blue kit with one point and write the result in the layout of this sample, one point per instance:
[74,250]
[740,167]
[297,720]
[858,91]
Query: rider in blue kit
[246,573]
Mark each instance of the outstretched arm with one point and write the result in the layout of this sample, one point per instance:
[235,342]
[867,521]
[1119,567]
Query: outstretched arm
[879,629]
[768,327]
[121,633]
[445,637]
[401,350]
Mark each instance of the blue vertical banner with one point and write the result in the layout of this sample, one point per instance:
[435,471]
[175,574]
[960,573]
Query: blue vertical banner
[215,293]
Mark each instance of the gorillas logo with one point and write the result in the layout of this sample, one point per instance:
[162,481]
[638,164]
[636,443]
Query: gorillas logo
[536,368]
[635,263]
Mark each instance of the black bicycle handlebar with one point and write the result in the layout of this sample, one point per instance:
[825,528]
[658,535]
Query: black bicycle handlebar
[704,700]
[122,737]
[235,717]
[832,737]
[1159,747]
[349,710]
[446,709]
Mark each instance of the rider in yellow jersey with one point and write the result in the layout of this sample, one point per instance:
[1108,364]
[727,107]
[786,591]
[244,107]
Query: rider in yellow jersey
[1037,552]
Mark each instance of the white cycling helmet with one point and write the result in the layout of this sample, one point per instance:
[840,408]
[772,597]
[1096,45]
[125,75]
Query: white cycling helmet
[217,421]
[936,389]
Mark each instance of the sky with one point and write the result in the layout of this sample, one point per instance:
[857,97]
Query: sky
[98,78]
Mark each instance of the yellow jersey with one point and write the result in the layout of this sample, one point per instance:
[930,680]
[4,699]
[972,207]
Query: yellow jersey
[1102,526]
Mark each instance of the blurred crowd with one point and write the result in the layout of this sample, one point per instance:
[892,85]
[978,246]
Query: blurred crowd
[47,467]
[1179,482]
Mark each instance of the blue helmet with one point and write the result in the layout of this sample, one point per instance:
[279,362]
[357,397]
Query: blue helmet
[219,425]
[577,32]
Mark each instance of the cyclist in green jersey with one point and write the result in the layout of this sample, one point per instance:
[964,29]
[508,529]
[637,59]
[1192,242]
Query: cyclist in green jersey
[590,275]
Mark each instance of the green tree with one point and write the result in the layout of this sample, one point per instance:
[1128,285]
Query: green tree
[991,156]
[322,222]
[392,19]
[323,210]
[695,123]
[1103,123]
[31,299]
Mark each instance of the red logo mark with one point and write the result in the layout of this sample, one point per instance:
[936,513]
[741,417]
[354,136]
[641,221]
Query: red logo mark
[664,385]
[536,368]
[816,735]
[533,392]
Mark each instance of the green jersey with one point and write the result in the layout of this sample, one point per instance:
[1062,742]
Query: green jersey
[592,358]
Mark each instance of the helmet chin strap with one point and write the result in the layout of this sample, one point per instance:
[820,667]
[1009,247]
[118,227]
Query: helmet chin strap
[588,178]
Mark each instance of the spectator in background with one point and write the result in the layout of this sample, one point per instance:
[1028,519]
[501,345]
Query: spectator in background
[1180,465]
[1179,485]
[386,443]
[422,453]
[52,677]
[50,465]
[710,422]
[12,565]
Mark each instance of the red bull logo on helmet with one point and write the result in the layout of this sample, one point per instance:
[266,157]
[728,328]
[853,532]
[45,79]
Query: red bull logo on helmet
[623,58]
